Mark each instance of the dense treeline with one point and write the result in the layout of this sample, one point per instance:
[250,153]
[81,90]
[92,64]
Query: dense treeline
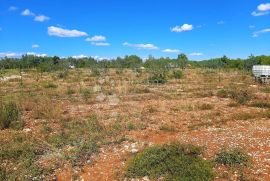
[46,64]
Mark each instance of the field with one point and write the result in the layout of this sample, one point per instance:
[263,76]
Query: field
[79,125]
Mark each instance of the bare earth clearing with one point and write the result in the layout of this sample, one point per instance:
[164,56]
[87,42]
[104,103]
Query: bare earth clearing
[129,117]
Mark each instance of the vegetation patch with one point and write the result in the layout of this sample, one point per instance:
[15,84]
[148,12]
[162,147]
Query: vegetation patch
[232,157]
[171,162]
[10,116]
[261,104]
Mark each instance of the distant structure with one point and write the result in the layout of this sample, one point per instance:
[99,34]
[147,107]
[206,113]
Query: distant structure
[261,73]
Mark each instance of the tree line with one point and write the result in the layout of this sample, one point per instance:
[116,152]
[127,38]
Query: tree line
[46,64]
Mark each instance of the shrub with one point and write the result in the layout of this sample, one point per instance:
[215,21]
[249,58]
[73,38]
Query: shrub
[222,93]
[178,74]
[22,153]
[172,162]
[157,79]
[49,85]
[261,104]
[232,157]
[10,116]
[240,96]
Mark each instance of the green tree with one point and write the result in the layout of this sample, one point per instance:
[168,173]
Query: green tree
[182,60]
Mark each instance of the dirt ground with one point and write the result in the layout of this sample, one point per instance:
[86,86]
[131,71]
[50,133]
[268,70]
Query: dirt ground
[188,110]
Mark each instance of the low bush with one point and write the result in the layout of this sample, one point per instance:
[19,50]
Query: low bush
[240,96]
[232,157]
[261,104]
[10,116]
[49,85]
[178,74]
[158,79]
[171,162]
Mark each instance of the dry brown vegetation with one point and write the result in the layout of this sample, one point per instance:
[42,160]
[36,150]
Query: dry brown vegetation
[89,127]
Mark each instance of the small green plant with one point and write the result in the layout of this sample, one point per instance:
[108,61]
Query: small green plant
[223,93]
[232,157]
[10,116]
[130,126]
[171,162]
[178,74]
[86,93]
[49,85]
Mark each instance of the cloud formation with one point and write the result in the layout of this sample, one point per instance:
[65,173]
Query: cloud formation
[171,51]
[60,32]
[257,33]
[96,38]
[35,46]
[183,28]
[41,18]
[262,10]
[196,54]
[140,46]
[27,12]
[10,54]
[101,44]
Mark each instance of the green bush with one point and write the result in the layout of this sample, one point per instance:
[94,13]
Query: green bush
[158,79]
[222,93]
[10,116]
[232,157]
[50,85]
[240,96]
[178,74]
[172,162]
[20,152]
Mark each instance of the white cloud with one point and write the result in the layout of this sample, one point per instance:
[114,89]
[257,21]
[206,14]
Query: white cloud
[27,12]
[96,38]
[41,18]
[12,8]
[148,46]
[60,32]
[10,54]
[36,54]
[100,44]
[184,27]
[262,10]
[257,33]
[79,56]
[221,22]
[254,13]
[171,51]
[196,54]
[35,46]
[264,7]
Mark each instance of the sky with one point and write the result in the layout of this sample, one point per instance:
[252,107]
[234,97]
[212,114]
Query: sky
[110,28]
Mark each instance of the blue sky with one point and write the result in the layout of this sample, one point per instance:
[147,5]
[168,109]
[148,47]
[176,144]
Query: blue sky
[111,28]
